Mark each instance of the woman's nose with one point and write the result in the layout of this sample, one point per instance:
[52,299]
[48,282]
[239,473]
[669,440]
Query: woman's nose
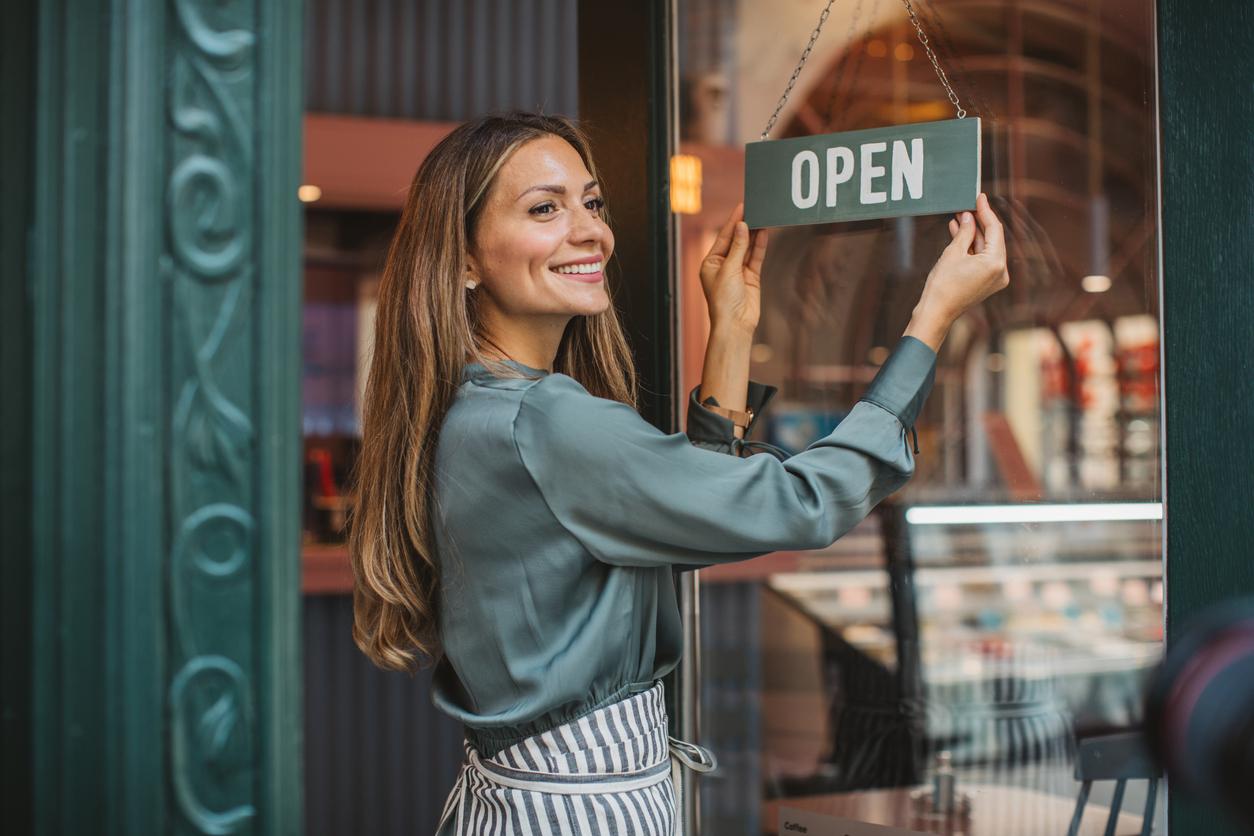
[586,228]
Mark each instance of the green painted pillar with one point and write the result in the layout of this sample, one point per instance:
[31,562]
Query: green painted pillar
[1206,100]
[152,316]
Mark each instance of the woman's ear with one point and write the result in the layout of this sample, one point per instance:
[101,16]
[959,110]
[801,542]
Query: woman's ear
[471,274]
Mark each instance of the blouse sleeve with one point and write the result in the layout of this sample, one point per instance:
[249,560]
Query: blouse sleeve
[633,495]
[711,431]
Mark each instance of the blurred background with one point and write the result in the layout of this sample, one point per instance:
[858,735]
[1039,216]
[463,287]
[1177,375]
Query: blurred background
[1013,631]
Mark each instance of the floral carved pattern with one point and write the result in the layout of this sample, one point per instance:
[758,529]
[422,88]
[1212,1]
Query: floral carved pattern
[208,266]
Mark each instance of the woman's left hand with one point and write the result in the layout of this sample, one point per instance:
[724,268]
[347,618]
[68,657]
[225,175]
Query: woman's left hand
[731,275]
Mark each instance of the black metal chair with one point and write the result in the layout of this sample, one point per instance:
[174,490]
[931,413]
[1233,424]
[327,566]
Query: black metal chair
[1120,758]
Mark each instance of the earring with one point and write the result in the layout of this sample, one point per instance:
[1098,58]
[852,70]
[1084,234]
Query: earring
[470,284]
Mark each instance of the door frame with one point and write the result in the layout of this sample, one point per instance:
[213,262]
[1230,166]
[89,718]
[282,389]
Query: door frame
[1206,286]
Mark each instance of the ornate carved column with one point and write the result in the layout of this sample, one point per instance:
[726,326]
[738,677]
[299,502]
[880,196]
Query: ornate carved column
[162,614]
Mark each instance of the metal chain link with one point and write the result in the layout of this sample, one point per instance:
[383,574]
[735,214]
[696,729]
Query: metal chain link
[918,28]
[852,73]
[814,36]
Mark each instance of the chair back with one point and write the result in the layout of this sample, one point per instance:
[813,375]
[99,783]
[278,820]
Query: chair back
[1120,758]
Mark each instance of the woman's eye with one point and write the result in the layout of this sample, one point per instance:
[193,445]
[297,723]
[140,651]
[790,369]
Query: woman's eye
[595,204]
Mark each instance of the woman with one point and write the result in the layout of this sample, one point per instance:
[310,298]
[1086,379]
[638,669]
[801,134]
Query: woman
[517,521]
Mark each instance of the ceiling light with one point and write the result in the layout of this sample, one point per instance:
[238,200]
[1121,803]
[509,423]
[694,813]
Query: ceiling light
[1034,513]
[685,184]
[1096,283]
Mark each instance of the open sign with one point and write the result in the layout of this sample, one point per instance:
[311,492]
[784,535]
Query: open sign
[919,169]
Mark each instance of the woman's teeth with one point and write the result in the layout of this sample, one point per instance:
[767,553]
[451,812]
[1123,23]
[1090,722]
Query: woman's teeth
[579,268]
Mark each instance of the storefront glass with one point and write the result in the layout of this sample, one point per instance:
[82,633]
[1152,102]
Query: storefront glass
[1007,604]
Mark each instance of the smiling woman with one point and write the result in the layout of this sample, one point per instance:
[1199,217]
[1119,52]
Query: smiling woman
[539,250]
[518,522]
[495,211]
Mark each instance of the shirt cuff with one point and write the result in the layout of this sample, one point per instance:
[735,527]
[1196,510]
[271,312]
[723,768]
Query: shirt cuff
[904,381]
[711,428]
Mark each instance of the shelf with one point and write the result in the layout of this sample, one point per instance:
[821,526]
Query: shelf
[821,581]
[365,163]
[325,569]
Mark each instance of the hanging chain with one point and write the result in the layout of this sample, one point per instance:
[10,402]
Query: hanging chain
[851,73]
[814,36]
[918,28]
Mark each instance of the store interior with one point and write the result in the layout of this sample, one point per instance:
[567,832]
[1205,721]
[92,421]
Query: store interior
[1006,604]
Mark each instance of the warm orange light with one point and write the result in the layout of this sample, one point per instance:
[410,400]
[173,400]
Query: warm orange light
[876,48]
[903,52]
[308,193]
[1096,283]
[685,184]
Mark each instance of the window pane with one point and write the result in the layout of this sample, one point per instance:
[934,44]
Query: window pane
[1008,602]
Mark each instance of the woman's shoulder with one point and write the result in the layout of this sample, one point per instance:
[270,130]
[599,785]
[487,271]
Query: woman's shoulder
[551,409]
[557,413]
[563,398]
[556,397]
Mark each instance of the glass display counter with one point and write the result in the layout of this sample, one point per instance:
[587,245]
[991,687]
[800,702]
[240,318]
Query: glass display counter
[1053,623]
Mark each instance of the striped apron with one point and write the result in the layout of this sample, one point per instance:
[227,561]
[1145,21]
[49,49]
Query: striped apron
[613,771]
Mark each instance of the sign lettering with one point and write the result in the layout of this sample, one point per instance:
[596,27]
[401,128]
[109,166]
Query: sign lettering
[921,169]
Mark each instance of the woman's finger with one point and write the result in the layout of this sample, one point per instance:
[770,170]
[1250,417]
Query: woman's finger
[965,235]
[953,228]
[739,244]
[758,252]
[724,239]
[994,235]
[978,245]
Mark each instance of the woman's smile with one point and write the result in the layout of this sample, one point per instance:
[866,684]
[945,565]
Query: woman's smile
[591,269]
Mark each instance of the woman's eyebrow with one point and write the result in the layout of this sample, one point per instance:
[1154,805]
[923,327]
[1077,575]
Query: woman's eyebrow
[555,189]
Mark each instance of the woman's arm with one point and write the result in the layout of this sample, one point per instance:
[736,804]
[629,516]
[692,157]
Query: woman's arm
[725,375]
[731,279]
[635,496]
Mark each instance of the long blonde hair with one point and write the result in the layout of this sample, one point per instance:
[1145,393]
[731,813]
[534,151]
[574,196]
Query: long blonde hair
[426,327]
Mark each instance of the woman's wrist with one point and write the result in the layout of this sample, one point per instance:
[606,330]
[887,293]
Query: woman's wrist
[725,373]
[730,330]
[929,327]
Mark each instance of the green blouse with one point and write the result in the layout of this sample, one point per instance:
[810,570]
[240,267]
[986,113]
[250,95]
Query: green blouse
[559,517]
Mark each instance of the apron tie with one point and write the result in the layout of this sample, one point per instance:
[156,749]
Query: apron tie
[695,757]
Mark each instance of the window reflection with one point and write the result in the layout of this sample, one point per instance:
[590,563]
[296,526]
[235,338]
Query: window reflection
[841,678]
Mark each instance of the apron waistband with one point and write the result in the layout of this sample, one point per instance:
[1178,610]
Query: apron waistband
[682,753]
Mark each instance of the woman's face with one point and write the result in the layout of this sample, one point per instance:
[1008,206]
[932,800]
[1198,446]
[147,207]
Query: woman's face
[540,247]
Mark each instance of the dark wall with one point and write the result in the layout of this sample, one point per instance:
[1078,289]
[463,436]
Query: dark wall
[379,757]
[17,94]
[439,60]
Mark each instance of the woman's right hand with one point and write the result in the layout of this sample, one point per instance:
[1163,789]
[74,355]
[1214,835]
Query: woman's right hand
[969,270]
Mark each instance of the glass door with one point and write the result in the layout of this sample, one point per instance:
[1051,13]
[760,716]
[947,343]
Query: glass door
[1005,606]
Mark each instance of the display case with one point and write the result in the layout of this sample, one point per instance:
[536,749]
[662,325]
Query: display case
[1011,633]
[994,637]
